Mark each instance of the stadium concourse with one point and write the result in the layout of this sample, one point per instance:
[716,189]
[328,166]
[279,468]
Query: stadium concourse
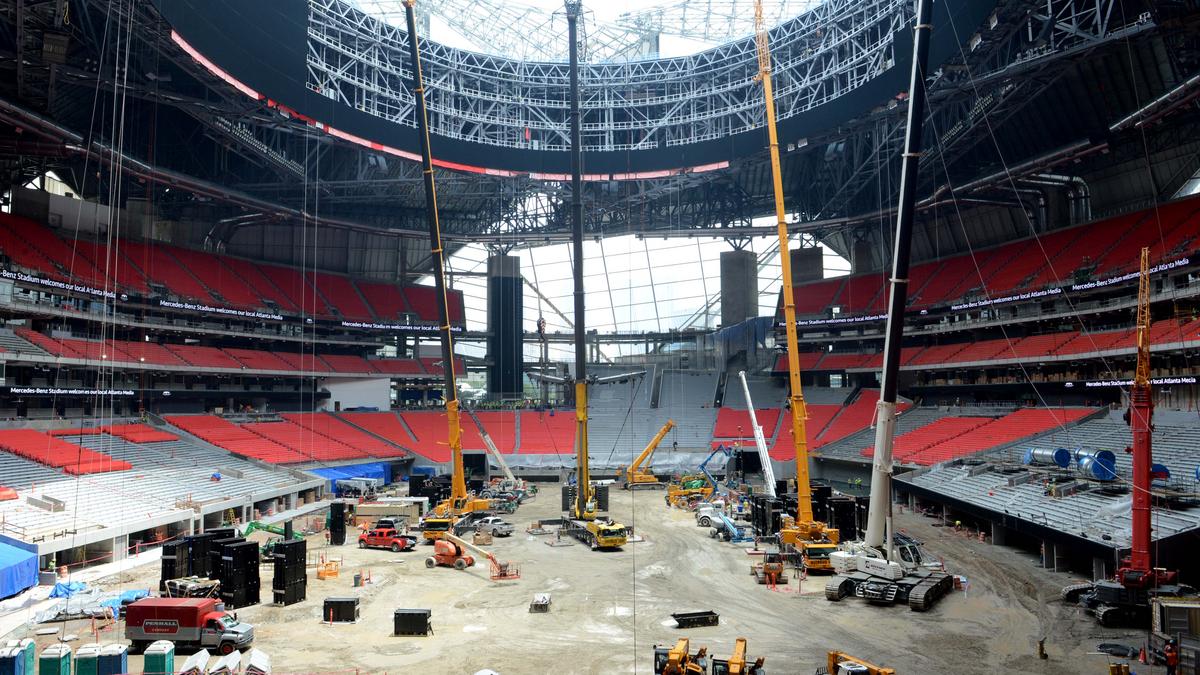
[226,298]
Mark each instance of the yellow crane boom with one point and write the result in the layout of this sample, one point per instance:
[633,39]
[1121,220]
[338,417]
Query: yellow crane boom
[634,473]
[804,513]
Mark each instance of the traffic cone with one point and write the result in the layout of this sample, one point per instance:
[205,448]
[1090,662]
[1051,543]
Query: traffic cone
[1142,655]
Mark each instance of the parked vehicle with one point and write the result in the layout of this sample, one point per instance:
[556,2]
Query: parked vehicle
[386,538]
[198,622]
[495,526]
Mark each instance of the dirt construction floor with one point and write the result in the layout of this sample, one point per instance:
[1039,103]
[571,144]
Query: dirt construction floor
[609,609]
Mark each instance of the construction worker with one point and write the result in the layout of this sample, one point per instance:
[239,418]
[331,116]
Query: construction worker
[1171,656]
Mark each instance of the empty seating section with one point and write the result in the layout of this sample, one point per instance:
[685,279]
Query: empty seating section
[546,433]
[46,343]
[306,361]
[908,446]
[45,449]
[347,363]
[251,274]
[15,245]
[160,266]
[433,365]
[293,285]
[331,427]
[784,449]
[815,297]
[61,253]
[1104,248]
[423,300]
[385,299]
[119,268]
[854,417]
[982,350]
[258,360]
[841,361]
[308,444]
[225,434]
[862,294]
[934,354]
[386,425]
[396,366]
[764,392]
[230,286]
[207,357]
[341,294]
[1034,346]
[951,437]
[736,423]
[500,425]
[432,432]
[139,433]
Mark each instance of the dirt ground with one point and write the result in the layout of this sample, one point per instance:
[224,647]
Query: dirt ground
[610,608]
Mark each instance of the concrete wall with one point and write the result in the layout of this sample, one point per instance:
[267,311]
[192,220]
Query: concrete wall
[357,392]
[739,286]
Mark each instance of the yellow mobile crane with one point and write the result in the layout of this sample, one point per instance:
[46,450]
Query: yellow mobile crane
[444,516]
[582,520]
[635,475]
[802,531]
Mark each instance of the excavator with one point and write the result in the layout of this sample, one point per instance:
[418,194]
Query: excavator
[445,515]
[1125,599]
[268,546]
[844,664]
[803,532]
[637,477]
[452,551]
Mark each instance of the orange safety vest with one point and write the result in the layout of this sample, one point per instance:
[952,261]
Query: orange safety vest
[1172,655]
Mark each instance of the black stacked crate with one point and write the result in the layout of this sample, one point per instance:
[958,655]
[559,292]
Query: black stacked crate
[240,585]
[174,562]
[199,545]
[842,516]
[337,523]
[289,584]
[411,622]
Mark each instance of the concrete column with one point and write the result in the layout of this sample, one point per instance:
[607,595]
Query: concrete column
[291,502]
[1099,570]
[998,531]
[739,286]
[860,257]
[120,547]
[505,302]
[1047,554]
[808,264]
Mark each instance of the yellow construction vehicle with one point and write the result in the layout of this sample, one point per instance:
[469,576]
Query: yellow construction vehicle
[445,515]
[737,664]
[635,476]
[843,664]
[803,528]
[678,660]
[582,520]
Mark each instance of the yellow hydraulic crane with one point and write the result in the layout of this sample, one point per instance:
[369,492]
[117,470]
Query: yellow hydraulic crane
[635,476]
[444,515]
[804,528]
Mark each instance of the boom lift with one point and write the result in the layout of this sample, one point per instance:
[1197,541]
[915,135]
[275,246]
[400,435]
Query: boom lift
[803,530]
[444,515]
[452,551]
[764,456]
[844,664]
[510,483]
[582,521]
[869,569]
[635,476]
[1126,598]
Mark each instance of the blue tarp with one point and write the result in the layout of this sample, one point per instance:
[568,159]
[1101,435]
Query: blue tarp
[124,598]
[381,470]
[66,590]
[18,570]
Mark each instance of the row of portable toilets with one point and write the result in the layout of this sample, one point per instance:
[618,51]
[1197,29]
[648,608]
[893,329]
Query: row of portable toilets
[18,658]
[1096,464]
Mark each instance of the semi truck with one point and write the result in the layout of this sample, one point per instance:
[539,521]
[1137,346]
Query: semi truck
[192,622]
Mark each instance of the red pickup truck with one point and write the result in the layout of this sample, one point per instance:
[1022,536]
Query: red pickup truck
[386,538]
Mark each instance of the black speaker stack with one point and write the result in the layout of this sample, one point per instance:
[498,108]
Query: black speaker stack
[340,610]
[764,514]
[337,523]
[842,515]
[290,582]
[174,562]
[240,585]
[411,622]
[199,545]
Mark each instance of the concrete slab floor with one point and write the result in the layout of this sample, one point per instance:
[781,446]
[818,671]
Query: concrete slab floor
[610,608]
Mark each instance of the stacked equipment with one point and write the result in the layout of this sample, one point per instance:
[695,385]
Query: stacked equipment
[290,582]
[238,572]
[337,523]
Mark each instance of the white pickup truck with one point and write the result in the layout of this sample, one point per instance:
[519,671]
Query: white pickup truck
[495,526]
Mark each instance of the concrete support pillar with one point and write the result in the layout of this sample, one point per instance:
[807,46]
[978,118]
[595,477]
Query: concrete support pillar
[120,547]
[291,502]
[739,286]
[860,257]
[912,502]
[1099,569]
[1048,554]
[505,318]
[998,532]
[808,264]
